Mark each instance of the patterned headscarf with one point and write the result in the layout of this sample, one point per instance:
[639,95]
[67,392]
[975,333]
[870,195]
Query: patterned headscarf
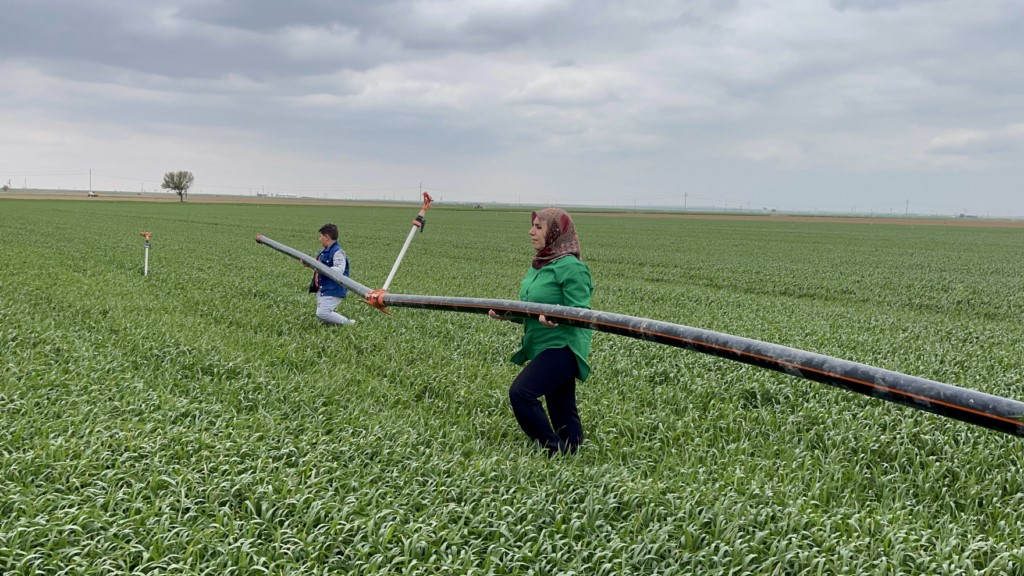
[560,240]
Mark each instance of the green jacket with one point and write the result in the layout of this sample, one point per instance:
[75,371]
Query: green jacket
[565,282]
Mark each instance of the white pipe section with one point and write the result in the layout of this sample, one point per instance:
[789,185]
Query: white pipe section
[401,254]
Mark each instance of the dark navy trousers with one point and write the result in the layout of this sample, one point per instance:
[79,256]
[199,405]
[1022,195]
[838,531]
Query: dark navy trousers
[551,375]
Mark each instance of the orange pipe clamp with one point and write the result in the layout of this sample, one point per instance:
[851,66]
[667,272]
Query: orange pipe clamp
[375,298]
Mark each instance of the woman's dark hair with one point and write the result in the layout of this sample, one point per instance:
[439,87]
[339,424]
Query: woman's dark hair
[330,230]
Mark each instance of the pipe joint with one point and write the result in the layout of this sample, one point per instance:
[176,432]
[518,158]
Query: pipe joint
[375,298]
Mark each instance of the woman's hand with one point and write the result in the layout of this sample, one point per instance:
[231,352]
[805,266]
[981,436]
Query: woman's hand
[542,319]
[546,322]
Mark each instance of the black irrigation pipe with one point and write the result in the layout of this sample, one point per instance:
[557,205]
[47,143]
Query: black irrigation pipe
[986,410]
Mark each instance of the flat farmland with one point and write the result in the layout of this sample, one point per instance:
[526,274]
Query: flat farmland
[200,420]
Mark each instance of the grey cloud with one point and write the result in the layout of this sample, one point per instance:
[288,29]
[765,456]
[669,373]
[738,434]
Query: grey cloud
[269,15]
[978,142]
[397,80]
[234,36]
[876,5]
[125,35]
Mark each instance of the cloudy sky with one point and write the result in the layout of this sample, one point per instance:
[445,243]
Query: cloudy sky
[880,106]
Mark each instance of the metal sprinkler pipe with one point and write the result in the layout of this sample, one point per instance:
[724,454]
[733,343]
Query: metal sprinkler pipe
[986,410]
[145,259]
[418,224]
[345,281]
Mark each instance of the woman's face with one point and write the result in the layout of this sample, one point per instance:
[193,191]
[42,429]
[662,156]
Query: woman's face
[538,232]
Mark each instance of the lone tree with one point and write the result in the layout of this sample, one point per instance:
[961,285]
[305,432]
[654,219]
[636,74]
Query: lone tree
[179,181]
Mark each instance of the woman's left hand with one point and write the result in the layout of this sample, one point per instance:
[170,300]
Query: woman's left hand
[546,322]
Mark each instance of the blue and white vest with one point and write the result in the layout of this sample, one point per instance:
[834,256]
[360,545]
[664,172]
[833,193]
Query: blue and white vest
[323,284]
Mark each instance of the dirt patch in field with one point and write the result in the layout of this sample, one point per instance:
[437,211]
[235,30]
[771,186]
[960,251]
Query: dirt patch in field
[191,199]
[214,199]
[974,222]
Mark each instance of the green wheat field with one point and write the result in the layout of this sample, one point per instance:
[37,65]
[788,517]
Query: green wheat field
[200,421]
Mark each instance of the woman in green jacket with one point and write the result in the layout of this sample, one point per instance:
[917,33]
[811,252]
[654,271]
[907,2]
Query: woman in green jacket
[555,356]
